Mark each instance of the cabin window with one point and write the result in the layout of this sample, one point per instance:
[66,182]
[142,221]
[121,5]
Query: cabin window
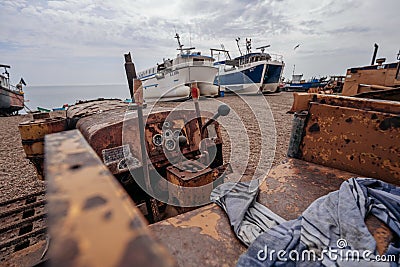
[198,61]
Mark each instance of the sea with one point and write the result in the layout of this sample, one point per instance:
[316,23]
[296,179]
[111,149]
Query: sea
[50,97]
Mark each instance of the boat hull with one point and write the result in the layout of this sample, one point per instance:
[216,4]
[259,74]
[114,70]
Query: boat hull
[176,84]
[207,89]
[242,88]
[304,87]
[252,78]
[10,101]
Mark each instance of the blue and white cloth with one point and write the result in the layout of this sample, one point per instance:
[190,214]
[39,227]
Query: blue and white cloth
[330,232]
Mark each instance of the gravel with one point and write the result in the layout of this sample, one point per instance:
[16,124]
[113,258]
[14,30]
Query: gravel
[18,176]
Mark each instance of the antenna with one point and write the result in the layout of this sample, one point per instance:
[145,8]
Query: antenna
[180,46]
[226,52]
[190,37]
[219,50]
[237,42]
[262,48]
[248,46]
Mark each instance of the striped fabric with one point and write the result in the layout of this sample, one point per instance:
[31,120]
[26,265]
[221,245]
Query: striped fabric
[247,217]
[334,223]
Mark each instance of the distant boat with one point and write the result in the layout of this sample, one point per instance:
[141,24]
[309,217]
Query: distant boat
[11,97]
[300,85]
[40,109]
[64,107]
[171,80]
[252,73]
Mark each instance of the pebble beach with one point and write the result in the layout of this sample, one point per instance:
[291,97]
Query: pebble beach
[18,176]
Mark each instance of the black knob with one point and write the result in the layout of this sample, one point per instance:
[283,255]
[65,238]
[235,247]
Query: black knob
[223,110]
[182,140]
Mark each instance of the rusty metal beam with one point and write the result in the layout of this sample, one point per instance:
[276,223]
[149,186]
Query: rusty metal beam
[32,135]
[391,94]
[359,103]
[92,221]
[302,101]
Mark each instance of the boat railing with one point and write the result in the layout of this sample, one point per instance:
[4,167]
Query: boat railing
[194,64]
[276,57]
[246,62]
[14,88]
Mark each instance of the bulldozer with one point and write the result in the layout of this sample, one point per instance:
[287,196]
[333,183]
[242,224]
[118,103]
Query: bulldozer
[102,191]
[148,150]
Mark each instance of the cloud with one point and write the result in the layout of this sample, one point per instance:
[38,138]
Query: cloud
[47,33]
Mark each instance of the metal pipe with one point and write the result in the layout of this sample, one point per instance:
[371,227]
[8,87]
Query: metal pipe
[130,73]
[138,93]
[237,42]
[375,87]
[195,96]
[375,52]
[136,90]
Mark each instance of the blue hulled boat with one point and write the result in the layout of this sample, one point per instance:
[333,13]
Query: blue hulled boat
[297,84]
[254,72]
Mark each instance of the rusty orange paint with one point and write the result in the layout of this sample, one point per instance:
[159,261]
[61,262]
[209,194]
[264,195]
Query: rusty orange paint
[356,140]
[93,222]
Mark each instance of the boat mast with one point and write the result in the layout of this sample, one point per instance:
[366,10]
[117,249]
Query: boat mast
[248,46]
[180,46]
[227,56]
[5,70]
[237,42]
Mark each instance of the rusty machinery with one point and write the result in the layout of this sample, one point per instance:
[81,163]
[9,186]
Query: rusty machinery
[358,135]
[181,147]
[373,78]
[328,130]
[33,133]
[331,141]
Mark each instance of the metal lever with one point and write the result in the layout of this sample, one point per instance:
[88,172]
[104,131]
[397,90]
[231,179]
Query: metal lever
[136,90]
[223,110]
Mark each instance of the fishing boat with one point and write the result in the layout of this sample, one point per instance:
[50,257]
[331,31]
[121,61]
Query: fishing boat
[172,79]
[299,85]
[11,97]
[250,73]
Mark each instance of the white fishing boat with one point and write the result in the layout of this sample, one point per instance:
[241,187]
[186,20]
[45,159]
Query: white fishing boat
[250,73]
[171,80]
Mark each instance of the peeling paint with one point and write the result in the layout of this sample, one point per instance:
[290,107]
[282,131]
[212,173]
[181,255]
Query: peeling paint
[207,221]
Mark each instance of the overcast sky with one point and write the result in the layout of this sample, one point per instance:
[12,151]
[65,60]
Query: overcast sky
[83,41]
